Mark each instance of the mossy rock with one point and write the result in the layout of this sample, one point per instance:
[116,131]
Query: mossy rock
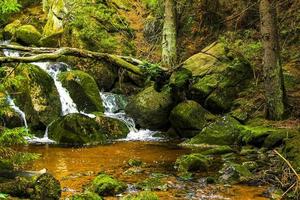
[105,185]
[35,93]
[86,196]
[145,195]
[150,108]
[180,81]
[189,118]
[9,30]
[192,162]
[83,90]
[78,129]
[51,40]
[153,183]
[220,75]
[224,131]
[28,35]
[218,150]
[234,173]
[292,149]
[46,187]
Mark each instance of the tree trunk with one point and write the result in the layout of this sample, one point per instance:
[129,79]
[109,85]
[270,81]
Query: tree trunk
[169,36]
[273,77]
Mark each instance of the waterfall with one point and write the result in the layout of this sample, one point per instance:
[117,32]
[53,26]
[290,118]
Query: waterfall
[114,108]
[22,115]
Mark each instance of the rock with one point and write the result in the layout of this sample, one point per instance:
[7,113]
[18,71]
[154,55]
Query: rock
[9,30]
[234,173]
[105,185]
[225,131]
[292,149]
[51,40]
[192,162]
[86,196]
[220,75]
[145,195]
[250,165]
[35,93]
[77,129]
[189,118]
[28,35]
[218,150]
[156,182]
[150,109]
[180,81]
[134,163]
[46,187]
[83,90]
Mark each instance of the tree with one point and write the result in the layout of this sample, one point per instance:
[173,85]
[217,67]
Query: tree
[272,70]
[169,36]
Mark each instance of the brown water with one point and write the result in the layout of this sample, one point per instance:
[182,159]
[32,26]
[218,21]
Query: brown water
[76,167]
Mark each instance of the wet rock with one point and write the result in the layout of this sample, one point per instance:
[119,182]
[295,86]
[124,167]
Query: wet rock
[234,173]
[189,118]
[77,129]
[46,187]
[153,183]
[83,90]
[145,195]
[220,77]
[35,93]
[135,163]
[180,81]
[28,35]
[86,196]
[224,131]
[250,165]
[192,162]
[105,185]
[218,150]
[150,108]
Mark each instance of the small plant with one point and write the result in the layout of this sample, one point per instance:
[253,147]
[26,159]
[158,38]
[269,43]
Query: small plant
[8,7]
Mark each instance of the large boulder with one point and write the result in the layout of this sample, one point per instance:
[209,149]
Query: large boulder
[35,93]
[78,129]
[189,118]
[9,30]
[224,131]
[28,35]
[220,75]
[83,90]
[150,108]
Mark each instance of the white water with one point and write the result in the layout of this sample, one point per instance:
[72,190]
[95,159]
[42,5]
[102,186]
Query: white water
[113,110]
[22,115]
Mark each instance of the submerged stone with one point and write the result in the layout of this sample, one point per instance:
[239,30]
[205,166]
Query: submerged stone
[189,118]
[145,195]
[105,185]
[83,90]
[150,108]
[78,129]
[86,196]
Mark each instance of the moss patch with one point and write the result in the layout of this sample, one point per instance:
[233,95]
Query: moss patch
[106,185]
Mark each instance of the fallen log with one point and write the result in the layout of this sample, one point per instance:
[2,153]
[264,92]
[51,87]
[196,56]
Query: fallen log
[37,54]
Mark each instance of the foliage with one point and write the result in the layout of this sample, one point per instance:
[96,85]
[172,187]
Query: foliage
[8,7]
[9,137]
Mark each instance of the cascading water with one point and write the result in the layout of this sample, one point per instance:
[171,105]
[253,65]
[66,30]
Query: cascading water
[22,115]
[114,108]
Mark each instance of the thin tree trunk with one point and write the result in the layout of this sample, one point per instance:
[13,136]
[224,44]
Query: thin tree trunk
[273,77]
[169,37]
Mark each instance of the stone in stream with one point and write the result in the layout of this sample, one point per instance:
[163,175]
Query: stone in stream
[234,173]
[145,195]
[150,108]
[87,195]
[192,162]
[28,35]
[9,30]
[83,90]
[78,129]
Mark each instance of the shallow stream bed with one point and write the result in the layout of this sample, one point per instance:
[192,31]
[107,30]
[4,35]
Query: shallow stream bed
[76,167]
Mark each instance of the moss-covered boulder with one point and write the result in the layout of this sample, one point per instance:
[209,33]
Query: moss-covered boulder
[86,196]
[9,30]
[28,35]
[46,187]
[192,162]
[150,108]
[78,129]
[220,74]
[234,173]
[189,118]
[35,93]
[292,149]
[83,90]
[224,131]
[105,185]
[145,195]
[180,82]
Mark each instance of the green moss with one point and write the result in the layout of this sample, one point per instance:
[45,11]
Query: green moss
[106,185]
[189,118]
[28,35]
[145,195]
[46,187]
[218,150]
[234,173]
[150,109]
[10,29]
[86,196]
[134,163]
[152,183]
[83,90]
[192,162]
